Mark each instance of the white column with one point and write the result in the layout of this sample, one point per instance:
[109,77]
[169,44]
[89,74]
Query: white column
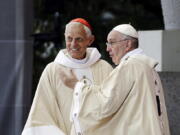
[171,13]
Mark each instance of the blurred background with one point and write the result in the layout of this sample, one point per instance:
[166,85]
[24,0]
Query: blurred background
[32,33]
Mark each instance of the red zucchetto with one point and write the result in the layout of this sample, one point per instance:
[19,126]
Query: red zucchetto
[82,21]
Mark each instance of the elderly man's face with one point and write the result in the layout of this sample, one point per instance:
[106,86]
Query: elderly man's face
[116,46]
[77,41]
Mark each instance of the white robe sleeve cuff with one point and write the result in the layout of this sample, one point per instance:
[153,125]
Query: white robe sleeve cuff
[78,87]
[42,130]
[76,106]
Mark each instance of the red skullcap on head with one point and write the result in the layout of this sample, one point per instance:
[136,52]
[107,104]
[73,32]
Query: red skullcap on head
[82,21]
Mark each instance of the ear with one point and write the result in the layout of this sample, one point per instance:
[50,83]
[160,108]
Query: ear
[129,46]
[91,40]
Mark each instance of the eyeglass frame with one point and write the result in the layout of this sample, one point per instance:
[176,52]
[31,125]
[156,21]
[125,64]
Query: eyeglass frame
[111,44]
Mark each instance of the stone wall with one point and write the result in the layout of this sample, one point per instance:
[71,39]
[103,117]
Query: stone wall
[171,84]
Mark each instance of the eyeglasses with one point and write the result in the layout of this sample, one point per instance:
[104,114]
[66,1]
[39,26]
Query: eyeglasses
[111,43]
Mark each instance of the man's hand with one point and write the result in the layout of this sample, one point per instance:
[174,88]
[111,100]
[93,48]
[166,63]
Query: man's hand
[69,79]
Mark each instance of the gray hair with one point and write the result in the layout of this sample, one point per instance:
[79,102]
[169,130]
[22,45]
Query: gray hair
[87,30]
[135,43]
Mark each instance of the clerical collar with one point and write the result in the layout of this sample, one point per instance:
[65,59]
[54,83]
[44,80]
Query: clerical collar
[81,61]
[92,56]
[133,52]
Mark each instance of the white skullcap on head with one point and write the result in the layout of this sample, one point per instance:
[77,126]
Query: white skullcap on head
[126,29]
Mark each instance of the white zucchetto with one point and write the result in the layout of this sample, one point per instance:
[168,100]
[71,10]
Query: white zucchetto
[126,29]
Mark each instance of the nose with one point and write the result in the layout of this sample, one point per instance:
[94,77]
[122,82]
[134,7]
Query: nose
[108,48]
[73,43]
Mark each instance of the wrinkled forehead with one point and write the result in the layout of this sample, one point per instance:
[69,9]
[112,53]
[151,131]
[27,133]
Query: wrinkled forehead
[75,28]
[114,35]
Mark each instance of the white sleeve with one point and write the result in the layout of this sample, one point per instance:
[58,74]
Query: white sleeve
[75,108]
[42,130]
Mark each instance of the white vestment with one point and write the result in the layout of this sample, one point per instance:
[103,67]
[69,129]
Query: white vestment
[50,111]
[130,101]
